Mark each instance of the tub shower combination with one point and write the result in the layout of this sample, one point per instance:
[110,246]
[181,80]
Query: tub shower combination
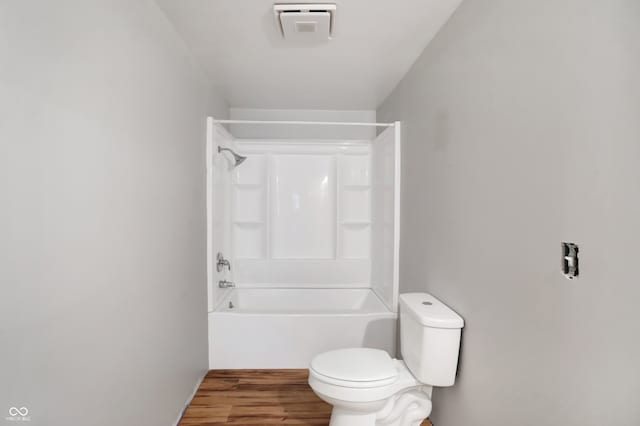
[302,246]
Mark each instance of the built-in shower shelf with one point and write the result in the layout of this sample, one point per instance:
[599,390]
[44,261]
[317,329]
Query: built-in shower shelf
[249,223]
[355,224]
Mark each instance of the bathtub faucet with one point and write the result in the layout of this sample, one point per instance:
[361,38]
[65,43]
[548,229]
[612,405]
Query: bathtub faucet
[226,284]
[221,263]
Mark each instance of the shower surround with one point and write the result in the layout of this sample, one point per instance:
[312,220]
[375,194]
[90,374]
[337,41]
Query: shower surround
[311,231]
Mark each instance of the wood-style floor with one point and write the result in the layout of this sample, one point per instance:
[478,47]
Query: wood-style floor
[257,397]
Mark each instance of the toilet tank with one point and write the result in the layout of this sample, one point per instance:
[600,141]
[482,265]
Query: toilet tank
[429,338]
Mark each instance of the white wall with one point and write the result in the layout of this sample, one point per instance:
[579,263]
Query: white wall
[520,130]
[102,216]
[272,131]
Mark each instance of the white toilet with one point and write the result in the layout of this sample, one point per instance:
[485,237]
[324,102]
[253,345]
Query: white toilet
[367,387]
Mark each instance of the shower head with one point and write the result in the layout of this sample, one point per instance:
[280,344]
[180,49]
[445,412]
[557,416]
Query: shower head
[237,157]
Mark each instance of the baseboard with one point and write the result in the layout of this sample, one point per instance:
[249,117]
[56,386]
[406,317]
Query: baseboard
[186,405]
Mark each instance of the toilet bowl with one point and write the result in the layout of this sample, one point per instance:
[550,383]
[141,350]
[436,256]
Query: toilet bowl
[368,388]
[363,383]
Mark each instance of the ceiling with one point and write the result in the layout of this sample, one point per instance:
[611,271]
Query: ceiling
[374,44]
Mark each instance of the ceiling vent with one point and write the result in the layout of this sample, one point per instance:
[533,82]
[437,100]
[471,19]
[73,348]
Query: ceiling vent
[305,22]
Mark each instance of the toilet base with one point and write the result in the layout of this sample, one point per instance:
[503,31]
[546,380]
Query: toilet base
[406,408]
[344,417]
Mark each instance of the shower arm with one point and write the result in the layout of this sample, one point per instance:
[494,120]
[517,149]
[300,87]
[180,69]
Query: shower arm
[220,149]
[237,157]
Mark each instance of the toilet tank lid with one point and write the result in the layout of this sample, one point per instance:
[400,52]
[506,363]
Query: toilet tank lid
[429,311]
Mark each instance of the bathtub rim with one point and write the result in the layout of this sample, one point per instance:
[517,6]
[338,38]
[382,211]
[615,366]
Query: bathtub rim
[383,312]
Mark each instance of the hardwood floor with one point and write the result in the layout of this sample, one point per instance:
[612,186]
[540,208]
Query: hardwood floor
[257,397]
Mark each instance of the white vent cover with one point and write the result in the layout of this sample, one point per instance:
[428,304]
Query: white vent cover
[305,22]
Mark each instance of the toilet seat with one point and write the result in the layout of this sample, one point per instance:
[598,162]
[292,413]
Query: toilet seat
[355,368]
[361,363]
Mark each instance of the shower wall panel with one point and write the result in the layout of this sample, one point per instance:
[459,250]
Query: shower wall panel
[386,216]
[302,213]
[302,207]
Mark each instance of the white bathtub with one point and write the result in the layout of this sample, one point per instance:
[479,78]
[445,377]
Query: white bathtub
[285,328]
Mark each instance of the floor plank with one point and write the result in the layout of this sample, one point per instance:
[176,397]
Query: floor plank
[257,397]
